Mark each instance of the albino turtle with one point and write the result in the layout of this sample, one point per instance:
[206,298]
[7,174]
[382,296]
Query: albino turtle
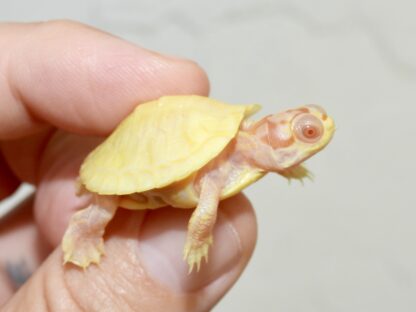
[186,152]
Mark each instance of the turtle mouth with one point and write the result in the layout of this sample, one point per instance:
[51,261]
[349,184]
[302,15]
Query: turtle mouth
[288,157]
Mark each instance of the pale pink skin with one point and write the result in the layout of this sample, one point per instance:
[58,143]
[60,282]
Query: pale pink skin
[275,143]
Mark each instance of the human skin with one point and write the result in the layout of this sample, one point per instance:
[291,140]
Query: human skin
[62,85]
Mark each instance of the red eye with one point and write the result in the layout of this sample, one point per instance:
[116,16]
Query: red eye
[309,131]
[308,128]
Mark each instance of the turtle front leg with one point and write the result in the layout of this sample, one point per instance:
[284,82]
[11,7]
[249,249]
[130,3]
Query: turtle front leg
[200,226]
[83,243]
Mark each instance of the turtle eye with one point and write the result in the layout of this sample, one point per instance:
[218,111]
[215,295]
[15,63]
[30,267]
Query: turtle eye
[308,128]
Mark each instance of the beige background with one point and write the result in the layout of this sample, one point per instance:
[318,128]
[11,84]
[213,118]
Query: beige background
[347,241]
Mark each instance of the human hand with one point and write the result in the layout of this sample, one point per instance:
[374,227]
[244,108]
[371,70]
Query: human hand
[61,80]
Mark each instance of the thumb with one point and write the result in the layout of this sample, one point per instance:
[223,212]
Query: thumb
[143,268]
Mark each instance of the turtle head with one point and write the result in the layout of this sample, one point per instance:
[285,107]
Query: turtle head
[296,134]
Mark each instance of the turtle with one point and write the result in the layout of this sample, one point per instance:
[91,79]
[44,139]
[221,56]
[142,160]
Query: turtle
[188,151]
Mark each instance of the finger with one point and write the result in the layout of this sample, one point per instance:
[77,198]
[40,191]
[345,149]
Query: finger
[56,198]
[24,155]
[22,249]
[80,79]
[144,260]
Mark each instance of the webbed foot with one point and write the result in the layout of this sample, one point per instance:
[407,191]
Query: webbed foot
[81,250]
[83,242]
[194,252]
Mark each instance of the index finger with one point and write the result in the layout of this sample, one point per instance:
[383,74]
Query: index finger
[80,79]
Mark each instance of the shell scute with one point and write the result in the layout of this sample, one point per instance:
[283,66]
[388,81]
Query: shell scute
[162,142]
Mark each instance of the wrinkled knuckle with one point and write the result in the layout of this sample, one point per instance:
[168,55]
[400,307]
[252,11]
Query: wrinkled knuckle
[112,290]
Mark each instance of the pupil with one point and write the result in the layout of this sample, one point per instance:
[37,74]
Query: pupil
[309,132]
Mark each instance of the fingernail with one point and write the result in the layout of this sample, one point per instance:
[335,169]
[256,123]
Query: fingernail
[161,243]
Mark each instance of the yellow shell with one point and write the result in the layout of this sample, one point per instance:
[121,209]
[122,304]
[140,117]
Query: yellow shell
[162,142]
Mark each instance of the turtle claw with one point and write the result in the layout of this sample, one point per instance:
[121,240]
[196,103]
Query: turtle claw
[83,242]
[82,251]
[194,252]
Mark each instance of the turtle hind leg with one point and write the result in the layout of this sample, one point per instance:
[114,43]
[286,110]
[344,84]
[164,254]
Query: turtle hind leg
[83,243]
[199,237]
[194,252]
